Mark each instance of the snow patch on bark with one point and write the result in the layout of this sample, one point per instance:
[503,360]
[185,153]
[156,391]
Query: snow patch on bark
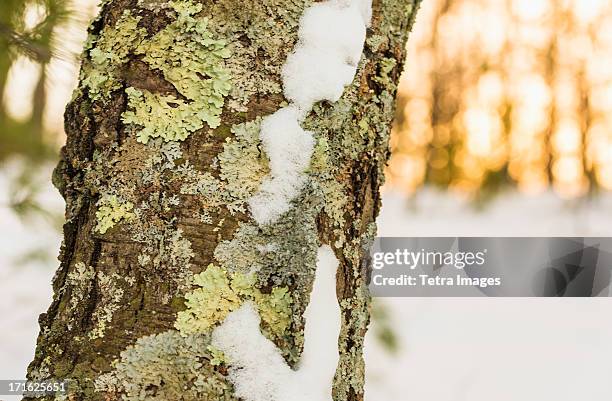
[257,369]
[331,38]
[289,148]
[330,42]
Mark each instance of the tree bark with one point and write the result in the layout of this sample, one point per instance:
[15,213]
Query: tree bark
[153,199]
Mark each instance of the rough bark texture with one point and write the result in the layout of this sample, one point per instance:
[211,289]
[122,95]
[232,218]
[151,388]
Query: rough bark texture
[151,204]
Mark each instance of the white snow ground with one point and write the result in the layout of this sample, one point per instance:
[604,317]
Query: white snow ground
[25,289]
[451,349]
[493,349]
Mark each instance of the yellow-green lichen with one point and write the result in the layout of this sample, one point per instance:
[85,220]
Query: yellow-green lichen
[111,211]
[111,49]
[80,281]
[260,41]
[242,165]
[386,66]
[166,252]
[319,162]
[111,295]
[193,62]
[217,356]
[329,186]
[275,309]
[209,304]
[281,255]
[350,374]
[219,294]
[187,55]
[376,42]
[160,116]
[166,366]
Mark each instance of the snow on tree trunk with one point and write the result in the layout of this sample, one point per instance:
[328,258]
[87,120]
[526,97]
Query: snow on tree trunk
[214,149]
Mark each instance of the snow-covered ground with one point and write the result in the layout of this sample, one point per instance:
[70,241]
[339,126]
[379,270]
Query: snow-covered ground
[450,349]
[436,213]
[25,287]
[493,349]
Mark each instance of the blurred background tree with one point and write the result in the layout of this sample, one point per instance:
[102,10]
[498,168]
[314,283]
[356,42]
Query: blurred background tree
[40,41]
[28,40]
[506,93]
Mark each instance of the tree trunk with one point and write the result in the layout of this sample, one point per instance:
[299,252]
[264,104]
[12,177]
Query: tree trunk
[162,158]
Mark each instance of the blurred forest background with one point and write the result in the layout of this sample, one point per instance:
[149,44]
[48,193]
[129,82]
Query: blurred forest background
[40,44]
[500,97]
[507,92]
